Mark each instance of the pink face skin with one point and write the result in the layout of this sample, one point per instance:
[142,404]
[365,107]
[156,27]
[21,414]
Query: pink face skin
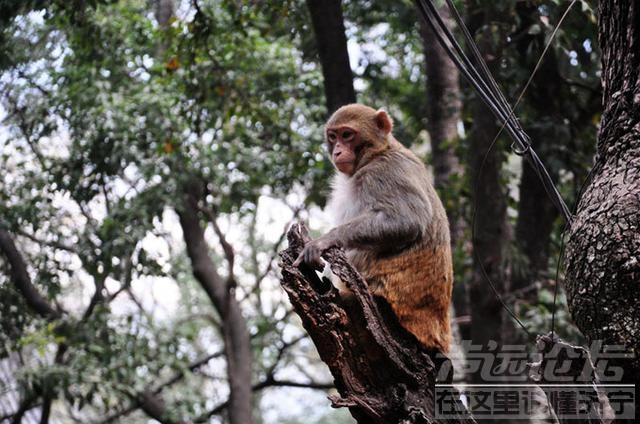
[343,142]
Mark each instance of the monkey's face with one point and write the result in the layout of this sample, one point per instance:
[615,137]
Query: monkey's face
[344,143]
[355,134]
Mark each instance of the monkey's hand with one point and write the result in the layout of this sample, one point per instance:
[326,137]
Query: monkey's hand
[313,250]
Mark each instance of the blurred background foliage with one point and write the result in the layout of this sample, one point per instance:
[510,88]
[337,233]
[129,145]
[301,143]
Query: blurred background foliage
[110,108]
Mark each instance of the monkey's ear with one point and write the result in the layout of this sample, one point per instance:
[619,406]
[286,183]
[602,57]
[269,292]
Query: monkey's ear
[383,121]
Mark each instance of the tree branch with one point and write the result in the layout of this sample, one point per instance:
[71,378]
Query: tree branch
[222,295]
[151,395]
[48,392]
[52,244]
[573,364]
[28,403]
[22,281]
[226,246]
[153,406]
[264,384]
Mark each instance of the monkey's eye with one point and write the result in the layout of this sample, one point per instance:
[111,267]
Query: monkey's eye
[331,136]
[347,135]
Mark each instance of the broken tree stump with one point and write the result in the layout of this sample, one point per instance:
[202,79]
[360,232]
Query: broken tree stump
[382,373]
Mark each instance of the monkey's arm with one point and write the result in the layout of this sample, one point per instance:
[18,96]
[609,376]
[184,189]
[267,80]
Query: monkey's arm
[374,230]
[395,214]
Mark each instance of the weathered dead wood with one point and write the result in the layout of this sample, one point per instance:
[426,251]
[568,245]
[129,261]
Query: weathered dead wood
[382,373]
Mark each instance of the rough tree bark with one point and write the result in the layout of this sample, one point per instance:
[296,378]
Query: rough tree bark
[221,293]
[381,372]
[603,262]
[565,364]
[328,26]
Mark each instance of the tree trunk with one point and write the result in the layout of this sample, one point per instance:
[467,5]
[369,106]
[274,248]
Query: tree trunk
[603,262]
[490,230]
[328,26]
[222,296]
[443,106]
[536,213]
[164,9]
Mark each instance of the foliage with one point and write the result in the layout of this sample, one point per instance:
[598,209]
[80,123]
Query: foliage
[108,116]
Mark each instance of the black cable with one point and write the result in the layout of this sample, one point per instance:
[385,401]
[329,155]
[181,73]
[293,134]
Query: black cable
[452,47]
[489,92]
[433,18]
[477,55]
[482,80]
[555,289]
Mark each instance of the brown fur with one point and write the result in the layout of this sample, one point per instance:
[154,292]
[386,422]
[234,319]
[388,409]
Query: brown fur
[417,286]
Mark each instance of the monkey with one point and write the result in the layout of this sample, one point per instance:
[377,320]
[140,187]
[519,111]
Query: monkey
[390,221]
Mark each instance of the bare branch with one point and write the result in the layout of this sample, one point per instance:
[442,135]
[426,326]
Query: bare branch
[22,280]
[264,384]
[281,351]
[151,395]
[226,246]
[222,296]
[28,402]
[52,244]
[33,83]
[277,244]
[98,295]
[127,275]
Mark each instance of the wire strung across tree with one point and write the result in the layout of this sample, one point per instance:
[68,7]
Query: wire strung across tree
[481,79]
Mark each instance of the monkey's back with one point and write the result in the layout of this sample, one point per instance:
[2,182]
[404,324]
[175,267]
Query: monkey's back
[417,285]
